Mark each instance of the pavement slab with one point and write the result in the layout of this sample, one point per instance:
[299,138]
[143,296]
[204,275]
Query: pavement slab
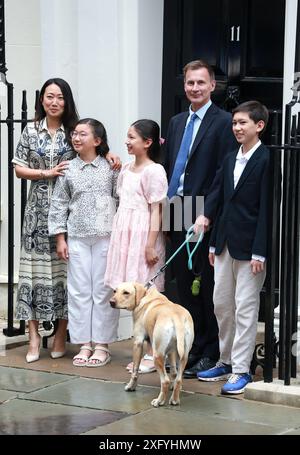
[26,380]
[25,417]
[51,396]
[165,421]
[92,393]
[6,395]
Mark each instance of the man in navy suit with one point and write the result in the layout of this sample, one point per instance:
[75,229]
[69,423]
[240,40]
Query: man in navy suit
[211,140]
[239,248]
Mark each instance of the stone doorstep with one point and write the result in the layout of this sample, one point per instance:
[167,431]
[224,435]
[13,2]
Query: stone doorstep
[15,341]
[18,340]
[275,392]
[124,332]
[23,339]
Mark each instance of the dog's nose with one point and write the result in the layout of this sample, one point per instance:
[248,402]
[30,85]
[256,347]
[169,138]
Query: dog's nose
[112,303]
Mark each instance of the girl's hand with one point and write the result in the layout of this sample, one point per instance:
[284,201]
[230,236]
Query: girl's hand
[114,161]
[59,169]
[256,266]
[62,249]
[151,256]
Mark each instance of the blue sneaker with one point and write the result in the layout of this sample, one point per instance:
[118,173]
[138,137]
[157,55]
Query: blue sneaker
[217,373]
[236,383]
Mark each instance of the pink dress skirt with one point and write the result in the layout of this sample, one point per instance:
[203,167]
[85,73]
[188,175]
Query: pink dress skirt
[126,260]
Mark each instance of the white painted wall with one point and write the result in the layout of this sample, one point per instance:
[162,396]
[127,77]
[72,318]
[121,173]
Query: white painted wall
[59,41]
[110,51]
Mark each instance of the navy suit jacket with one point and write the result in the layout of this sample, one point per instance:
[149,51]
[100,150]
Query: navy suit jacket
[213,141]
[242,217]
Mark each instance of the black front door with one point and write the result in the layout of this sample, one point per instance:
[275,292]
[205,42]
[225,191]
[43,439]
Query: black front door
[242,40]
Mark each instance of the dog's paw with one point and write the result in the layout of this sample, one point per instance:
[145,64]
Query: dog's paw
[156,402]
[174,402]
[130,387]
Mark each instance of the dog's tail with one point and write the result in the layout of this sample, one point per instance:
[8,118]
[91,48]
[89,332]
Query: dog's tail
[180,334]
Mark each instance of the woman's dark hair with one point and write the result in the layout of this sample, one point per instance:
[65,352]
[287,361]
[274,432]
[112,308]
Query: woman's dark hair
[99,132]
[148,129]
[70,115]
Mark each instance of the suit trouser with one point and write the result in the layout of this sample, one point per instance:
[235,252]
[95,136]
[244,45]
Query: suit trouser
[201,307]
[236,299]
[91,318]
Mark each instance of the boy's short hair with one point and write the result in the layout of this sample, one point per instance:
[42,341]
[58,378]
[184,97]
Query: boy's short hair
[256,111]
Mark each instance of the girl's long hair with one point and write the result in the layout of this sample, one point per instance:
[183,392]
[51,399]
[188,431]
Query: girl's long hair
[149,129]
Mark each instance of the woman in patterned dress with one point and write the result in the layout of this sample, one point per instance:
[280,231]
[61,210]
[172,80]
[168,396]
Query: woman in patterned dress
[42,154]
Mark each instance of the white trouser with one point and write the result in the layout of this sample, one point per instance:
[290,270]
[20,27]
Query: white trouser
[91,318]
[236,301]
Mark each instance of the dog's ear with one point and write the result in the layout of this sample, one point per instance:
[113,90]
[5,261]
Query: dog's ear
[140,291]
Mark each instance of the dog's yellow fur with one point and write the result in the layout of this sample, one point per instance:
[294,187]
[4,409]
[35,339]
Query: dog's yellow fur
[168,326]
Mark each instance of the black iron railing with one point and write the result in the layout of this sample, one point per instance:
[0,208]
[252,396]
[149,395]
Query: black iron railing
[289,249]
[265,353]
[10,123]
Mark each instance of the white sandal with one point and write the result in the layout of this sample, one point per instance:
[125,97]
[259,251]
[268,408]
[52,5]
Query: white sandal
[83,357]
[99,362]
[143,369]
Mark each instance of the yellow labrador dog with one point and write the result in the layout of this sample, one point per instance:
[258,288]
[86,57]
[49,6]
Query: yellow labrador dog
[168,326]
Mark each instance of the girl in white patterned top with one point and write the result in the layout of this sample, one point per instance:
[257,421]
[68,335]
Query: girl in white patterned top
[82,206]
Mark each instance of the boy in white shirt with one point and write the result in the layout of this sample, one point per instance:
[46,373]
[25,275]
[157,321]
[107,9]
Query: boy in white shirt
[238,248]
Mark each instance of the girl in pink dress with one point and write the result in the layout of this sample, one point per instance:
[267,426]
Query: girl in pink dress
[137,247]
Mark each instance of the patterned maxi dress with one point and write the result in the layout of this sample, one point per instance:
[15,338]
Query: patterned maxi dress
[42,293]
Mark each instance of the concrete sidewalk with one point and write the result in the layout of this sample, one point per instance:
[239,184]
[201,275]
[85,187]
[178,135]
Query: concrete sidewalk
[54,397]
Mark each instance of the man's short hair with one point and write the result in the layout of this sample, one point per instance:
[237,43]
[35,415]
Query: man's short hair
[196,65]
[256,111]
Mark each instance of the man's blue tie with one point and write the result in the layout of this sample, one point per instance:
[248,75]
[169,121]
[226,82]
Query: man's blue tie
[181,157]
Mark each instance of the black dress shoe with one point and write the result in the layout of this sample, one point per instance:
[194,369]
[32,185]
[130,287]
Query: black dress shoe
[201,365]
[192,359]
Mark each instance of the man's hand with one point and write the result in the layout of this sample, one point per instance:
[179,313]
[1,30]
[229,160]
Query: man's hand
[201,224]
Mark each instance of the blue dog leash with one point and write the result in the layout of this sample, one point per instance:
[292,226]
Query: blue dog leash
[190,233]
[191,253]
